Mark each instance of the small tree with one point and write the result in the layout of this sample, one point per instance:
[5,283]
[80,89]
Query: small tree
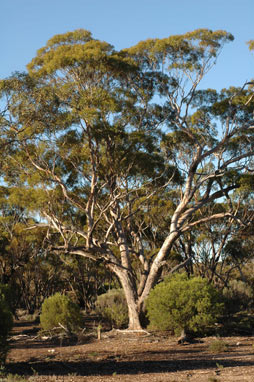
[182,304]
[5,326]
[60,311]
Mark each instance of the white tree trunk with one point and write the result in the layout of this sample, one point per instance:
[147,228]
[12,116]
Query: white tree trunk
[131,299]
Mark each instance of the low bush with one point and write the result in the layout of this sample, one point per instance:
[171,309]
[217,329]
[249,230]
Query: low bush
[58,311]
[6,322]
[112,307]
[182,304]
[218,346]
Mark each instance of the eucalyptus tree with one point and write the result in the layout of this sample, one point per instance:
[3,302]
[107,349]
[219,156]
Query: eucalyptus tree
[98,141]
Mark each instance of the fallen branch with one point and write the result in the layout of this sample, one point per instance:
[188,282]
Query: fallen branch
[64,328]
[18,337]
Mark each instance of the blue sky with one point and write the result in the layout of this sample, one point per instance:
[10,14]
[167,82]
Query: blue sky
[26,25]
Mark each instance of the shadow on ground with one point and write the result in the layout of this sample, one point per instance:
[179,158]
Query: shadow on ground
[108,367]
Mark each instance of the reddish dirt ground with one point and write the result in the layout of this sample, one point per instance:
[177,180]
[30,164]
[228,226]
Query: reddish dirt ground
[127,357]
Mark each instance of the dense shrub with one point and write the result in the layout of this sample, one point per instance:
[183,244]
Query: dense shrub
[181,304]
[57,311]
[112,307]
[5,324]
[218,346]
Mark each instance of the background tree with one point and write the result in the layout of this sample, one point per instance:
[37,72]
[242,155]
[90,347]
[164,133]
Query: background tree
[30,274]
[95,134]
[6,323]
[84,279]
[217,248]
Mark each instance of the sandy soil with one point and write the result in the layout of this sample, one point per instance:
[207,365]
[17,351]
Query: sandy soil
[122,357]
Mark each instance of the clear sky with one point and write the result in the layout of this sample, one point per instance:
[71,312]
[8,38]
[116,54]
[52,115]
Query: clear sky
[26,25]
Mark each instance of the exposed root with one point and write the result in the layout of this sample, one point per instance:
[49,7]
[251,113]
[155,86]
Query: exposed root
[130,331]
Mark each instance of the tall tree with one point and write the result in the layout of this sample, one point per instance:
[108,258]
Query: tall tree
[97,137]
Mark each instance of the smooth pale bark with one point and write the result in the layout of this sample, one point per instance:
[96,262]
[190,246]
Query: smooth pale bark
[131,299]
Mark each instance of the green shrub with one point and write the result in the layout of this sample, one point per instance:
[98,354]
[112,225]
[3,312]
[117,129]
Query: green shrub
[218,346]
[59,311]
[112,307]
[181,304]
[6,322]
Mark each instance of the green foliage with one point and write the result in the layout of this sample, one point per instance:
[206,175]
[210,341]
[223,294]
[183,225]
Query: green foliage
[59,310]
[218,346]
[5,323]
[235,250]
[247,182]
[182,51]
[94,138]
[251,44]
[23,266]
[113,308]
[179,303]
